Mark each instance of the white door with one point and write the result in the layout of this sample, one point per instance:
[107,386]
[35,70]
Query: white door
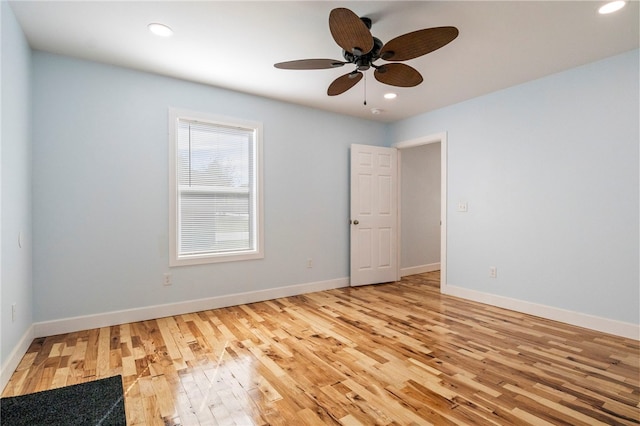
[374,215]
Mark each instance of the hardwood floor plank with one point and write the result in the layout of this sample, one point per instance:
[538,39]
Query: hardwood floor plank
[390,354]
[530,418]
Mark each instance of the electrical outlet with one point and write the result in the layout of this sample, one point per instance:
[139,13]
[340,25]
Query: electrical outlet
[309,263]
[167,279]
[13,312]
[493,272]
[463,207]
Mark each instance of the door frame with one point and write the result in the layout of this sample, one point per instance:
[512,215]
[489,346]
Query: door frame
[425,140]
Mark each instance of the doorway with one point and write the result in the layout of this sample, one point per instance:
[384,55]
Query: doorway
[423,206]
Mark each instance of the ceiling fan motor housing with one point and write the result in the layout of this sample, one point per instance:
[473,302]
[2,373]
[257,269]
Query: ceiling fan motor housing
[363,62]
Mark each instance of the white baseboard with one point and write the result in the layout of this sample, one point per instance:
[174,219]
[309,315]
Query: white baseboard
[12,362]
[605,325]
[68,325]
[420,269]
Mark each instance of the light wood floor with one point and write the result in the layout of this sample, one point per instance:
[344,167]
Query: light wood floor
[395,354]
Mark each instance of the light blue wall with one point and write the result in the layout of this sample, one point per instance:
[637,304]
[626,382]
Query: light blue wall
[15,146]
[549,170]
[101,190]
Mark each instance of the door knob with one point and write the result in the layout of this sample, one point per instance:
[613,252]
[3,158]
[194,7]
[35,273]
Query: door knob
[355,222]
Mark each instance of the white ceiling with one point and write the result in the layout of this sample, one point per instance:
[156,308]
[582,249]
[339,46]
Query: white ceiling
[234,44]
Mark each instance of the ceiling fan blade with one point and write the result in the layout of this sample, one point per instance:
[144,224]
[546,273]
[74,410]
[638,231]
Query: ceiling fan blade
[399,75]
[417,43]
[344,83]
[350,32]
[310,64]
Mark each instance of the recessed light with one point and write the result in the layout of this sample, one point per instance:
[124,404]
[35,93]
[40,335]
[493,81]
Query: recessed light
[376,111]
[390,95]
[160,30]
[611,7]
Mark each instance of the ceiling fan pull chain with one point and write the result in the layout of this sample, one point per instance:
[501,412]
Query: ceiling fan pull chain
[365,89]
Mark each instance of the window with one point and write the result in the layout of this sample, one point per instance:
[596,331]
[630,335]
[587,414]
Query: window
[215,189]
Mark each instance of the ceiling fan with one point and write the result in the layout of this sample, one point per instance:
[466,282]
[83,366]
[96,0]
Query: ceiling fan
[360,48]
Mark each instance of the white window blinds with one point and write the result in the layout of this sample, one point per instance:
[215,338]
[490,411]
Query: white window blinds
[216,184]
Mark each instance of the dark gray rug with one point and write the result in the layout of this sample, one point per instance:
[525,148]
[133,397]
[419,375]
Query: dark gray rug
[100,402]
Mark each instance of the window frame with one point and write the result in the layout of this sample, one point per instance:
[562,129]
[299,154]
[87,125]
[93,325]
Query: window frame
[175,259]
